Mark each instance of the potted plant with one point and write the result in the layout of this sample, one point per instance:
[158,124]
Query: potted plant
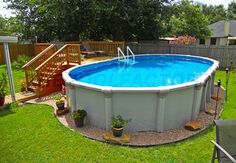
[78,117]
[118,124]
[59,101]
[23,86]
[3,88]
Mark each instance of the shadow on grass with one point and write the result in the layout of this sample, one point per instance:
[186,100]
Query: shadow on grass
[206,131]
[5,110]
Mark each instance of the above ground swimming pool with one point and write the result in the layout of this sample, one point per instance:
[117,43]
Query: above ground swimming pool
[158,92]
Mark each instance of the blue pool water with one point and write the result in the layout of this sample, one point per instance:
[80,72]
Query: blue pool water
[145,71]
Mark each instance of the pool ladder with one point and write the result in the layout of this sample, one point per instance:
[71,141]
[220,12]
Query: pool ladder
[124,59]
[121,55]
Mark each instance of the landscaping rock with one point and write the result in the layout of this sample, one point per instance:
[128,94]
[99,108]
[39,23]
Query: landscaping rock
[216,98]
[62,112]
[210,112]
[193,125]
[125,138]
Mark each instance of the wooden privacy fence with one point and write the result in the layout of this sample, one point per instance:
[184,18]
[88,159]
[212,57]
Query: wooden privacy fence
[224,54]
[108,47]
[39,47]
[16,50]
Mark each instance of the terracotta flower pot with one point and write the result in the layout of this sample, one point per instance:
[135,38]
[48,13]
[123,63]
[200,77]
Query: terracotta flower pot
[117,132]
[2,101]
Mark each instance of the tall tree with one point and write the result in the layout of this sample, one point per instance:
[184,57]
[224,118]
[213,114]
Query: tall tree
[214,13]
[232,10]
[129,20]
[3,26]
[188,19]
[92,19]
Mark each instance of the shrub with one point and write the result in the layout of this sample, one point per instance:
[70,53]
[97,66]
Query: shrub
[3,84]
[187,40]
[79,114]
[20,62]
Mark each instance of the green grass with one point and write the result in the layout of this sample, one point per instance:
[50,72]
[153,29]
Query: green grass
[31,133]
[18,77]
[229,107]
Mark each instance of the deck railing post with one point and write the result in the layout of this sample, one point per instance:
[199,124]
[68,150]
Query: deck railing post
[79,54]
[26,77]
[67,55]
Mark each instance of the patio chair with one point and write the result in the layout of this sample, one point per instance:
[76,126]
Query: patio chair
[225,145]
[88,51]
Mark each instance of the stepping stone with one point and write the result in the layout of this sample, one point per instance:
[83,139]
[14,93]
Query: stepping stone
[125,138]
[210,112]
[193,125]
[62,112]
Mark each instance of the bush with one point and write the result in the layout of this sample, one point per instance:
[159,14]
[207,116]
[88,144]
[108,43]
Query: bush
[79,114]
[3,85]
[20,62]
[187,40]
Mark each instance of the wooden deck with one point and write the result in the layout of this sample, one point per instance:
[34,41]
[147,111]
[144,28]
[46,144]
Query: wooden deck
[21,97]
[95,59]
[25,96]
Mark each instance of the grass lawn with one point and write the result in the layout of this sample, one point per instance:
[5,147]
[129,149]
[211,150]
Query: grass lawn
[18,77]
[31,133]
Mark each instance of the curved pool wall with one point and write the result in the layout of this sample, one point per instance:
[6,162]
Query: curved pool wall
[151,109]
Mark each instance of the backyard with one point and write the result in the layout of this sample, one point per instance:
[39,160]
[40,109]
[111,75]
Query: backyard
[32,133]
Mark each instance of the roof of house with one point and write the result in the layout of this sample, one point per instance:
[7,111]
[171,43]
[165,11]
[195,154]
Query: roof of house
[223,28]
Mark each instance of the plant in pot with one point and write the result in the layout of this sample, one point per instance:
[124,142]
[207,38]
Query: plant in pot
[23,86]
[118,124]
[78,117]
[59,101]
[3,88]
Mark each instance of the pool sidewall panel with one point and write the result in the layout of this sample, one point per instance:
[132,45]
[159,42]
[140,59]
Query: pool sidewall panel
[140,107]
[177,105]
[94,103]
[151,109]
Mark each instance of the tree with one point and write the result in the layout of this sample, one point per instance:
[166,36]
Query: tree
[132,20]
[92,19]
[214,13]
[3,27]
[232,10]
[188,19]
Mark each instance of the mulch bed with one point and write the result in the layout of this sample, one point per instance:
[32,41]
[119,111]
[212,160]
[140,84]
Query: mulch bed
[150,138]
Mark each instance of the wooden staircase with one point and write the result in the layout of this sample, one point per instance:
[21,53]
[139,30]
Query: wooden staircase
[43,72]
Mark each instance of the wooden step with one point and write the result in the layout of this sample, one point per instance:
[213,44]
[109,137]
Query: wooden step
[46,78]
[35,82]
[53,69]
[32,88]
[48,73]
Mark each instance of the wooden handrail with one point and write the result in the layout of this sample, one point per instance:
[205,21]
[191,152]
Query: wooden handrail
[40,66]
[43,67]
[38,56]
[108,47]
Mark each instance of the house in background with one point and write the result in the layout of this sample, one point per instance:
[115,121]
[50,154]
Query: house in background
[223,33]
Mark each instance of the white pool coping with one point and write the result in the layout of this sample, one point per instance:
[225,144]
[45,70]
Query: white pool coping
[161,89]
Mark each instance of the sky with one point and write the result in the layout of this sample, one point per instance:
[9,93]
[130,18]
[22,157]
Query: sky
[8,13]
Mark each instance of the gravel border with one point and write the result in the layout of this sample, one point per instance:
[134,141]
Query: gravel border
[151,138]
[147,138]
